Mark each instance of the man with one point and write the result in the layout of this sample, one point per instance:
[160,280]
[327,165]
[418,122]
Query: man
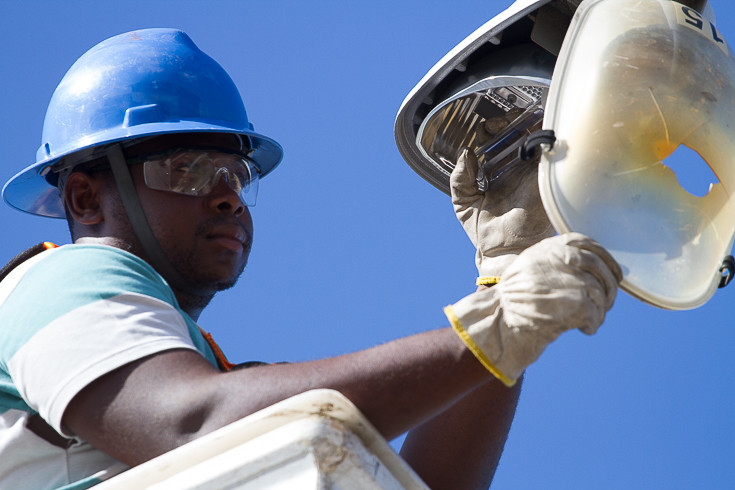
[149,154]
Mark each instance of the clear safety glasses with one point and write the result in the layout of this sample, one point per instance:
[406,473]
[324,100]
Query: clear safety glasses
[492,118]
[197,172]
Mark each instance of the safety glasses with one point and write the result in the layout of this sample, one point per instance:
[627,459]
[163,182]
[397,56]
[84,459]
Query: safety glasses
[196,172]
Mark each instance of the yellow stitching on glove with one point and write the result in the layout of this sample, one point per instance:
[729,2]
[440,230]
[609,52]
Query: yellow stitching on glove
[474,348]
[485,281]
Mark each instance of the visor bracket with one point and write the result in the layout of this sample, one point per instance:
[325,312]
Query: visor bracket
[528,150]
[727,270]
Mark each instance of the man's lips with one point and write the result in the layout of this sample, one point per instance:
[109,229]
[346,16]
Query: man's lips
[233,237]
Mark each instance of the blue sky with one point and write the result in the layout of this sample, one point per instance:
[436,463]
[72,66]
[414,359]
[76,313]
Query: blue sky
[353,249]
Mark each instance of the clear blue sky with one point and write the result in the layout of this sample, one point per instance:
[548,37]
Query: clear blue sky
[353,249]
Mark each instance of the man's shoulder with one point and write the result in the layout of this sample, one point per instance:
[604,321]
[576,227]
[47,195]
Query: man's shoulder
[74,284]
[96,266]
[82,256]
[79,274]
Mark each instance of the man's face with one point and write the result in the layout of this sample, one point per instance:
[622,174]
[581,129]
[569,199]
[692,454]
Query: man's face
[207,238]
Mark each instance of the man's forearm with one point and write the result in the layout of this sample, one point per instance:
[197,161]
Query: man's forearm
[461,447]
[396,385]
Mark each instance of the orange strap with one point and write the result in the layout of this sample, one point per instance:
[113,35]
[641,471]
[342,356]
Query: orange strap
[224,364]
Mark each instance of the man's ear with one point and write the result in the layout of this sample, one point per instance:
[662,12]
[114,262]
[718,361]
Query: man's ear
[83,198]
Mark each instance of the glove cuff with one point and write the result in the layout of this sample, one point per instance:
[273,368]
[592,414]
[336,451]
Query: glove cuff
[472,319]
[487,281]
[491,268]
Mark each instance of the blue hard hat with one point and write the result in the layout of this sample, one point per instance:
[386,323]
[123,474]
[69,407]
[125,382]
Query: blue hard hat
[135,85]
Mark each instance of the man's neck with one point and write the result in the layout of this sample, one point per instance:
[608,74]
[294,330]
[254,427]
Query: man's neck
[192,304]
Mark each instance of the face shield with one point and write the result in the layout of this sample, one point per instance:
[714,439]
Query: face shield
[635,80]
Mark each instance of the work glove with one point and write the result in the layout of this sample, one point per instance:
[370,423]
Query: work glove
[561,283]
[503,221]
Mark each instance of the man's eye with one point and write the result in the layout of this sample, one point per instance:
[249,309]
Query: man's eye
[180,167]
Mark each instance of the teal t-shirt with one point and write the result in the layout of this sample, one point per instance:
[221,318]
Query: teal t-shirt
[67,317]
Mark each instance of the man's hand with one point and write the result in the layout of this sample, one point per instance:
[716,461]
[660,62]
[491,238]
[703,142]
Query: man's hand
[501,222]
[561,283]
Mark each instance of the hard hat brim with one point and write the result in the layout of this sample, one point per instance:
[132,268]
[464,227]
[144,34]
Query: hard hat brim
[31,192]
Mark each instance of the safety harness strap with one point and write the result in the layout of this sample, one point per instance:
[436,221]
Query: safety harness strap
[222,361]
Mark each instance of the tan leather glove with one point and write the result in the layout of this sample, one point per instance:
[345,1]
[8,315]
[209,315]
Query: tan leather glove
[561,283]
[501,222]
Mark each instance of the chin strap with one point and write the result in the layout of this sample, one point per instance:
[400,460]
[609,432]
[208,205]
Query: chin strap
[141,227]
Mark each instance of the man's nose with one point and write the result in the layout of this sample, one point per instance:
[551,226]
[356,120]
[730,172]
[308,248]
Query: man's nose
[224,199]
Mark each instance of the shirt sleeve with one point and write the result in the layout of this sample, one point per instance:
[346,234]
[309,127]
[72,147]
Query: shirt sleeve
[101,309]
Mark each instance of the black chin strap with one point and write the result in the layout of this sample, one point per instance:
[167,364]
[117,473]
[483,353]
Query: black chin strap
[140,225]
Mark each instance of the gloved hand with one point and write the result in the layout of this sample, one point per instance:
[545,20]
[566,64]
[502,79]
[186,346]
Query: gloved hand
[561,283]
[501,222]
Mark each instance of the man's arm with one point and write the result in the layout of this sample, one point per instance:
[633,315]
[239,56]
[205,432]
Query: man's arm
[151,406]
[461,447]
[463,454]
